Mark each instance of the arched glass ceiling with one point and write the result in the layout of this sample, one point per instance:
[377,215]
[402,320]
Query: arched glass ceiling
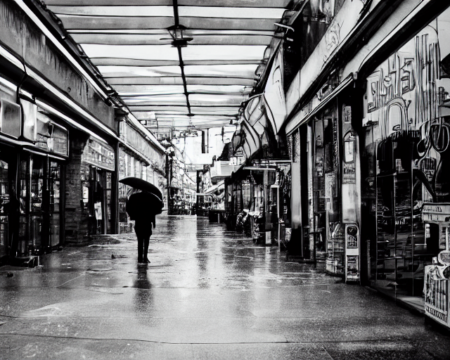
[205,80]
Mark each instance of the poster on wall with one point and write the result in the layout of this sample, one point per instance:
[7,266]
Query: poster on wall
[349,163]
[330,184]
[98,211]
[349,173]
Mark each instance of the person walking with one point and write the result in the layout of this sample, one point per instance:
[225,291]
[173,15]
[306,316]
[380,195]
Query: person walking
[142,209]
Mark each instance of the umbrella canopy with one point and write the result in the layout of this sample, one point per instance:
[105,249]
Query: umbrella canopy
[142,185]
[144,205]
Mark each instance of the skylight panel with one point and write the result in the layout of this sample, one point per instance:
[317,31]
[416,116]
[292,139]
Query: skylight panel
[244,71]
[114,10]
[147,52]
[123,71]
[214,52]
[124,90]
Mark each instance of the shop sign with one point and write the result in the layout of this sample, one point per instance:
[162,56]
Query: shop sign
[49,136]
[99,154]
[10,118]
[29,119]
[341,26]
[436,212]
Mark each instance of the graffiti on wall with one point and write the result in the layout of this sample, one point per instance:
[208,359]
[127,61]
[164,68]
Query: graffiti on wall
[407,98]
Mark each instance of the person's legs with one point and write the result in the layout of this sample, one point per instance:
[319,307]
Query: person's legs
[140,240]
[146,243]
[147,235]
[140,248]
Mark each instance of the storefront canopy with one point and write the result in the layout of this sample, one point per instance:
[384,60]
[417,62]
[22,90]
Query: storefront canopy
[216,188]
[258,115]
[246,138]
[176,63]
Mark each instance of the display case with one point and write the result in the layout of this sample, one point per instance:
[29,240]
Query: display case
[436,218]
[336,250]
[435,290]
[352,253]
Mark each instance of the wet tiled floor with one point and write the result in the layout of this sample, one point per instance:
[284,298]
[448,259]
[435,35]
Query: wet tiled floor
[208,293]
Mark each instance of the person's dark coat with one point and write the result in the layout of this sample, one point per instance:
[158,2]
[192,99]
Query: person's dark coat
[142,207]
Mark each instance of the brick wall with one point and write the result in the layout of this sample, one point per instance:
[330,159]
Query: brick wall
[76,228]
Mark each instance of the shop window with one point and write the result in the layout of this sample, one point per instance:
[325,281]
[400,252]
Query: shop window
[406,154]
[4,207]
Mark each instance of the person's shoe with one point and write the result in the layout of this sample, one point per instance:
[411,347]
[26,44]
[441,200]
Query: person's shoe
[139,259]
[146,260]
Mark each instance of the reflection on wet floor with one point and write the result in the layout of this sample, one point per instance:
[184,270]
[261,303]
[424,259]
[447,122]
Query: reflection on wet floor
[208,293]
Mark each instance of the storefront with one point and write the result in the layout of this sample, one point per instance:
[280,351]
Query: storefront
[325,200]
[316,185]
[32,172]
[405,161]
[97,172]
[257,201]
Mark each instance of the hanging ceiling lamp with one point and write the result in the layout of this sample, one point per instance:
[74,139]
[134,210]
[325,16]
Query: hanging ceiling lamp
[177,34]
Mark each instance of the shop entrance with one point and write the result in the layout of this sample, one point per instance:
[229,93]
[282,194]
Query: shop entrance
[41,206]
[9,204]
[99,201]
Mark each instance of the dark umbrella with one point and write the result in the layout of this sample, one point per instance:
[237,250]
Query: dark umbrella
[144,205]
[142,185]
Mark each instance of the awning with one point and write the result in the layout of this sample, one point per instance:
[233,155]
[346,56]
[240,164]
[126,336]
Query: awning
[256,113]
[249,139]
[213,189]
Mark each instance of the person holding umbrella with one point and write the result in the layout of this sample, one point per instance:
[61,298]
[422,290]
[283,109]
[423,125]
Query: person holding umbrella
[142,207]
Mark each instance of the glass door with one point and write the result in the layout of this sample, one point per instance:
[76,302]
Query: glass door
[108,195]
[54,212]
[98,197]
[37,203]
[4,207]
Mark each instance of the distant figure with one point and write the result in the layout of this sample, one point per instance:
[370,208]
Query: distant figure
[142,208]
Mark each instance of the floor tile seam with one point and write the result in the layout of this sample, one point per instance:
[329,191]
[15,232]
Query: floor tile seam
[327,318]
[326,352]
[236,343]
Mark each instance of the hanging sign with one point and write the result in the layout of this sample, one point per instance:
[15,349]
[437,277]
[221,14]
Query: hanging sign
[349,163]
[10,118]
[49,136]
